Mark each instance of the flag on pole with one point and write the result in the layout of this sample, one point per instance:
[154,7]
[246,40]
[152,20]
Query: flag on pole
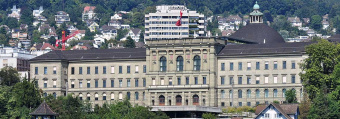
[180,18]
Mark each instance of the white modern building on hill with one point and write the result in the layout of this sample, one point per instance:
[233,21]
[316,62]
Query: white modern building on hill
[162,24]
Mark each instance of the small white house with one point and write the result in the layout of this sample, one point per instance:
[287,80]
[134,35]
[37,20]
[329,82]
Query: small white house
[116,17]
[134,34]
[36,13]
[277,111]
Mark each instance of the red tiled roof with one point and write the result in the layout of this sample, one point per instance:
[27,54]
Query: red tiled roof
[89,8]
[47,45]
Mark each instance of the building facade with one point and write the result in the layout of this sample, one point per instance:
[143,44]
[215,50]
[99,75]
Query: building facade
[162,24]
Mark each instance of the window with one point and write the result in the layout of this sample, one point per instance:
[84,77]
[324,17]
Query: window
[248,104]
[257,65]
[222,66]
[128,83]
[284,64]
[88,84]
[248,65]
[293,65]
[162,64]
[293,78]
[120,96]
[96,69]
[36,70]
[112,69]
[112,83]
[230,93]
[275,79]
[239,93]
[222,94]
[179,80]
[196,80]
[248,80]
[240,80]
[231,104]
[179,63]
[231,80]
[80,84]
[204,80]
[284,79]
[170,81]
[128,95]
[72,84]
[45,70]
[231,66]
[275,64]
[248,93]
[266,79]
[72,70]
[257,93]
[275,93]
[80,70]
[88,70]
[88,96]
[55,95]
[266,65]
[45,84]
[197,63]
[112,96]
[120,83]
[136,95]
[144,82]
[187,80]
[266,115]
[257,103]
[240,66]
[266,93]
[96,96]
[120,69]
[153,81]
[136,82]
[54,70]
[128,69]
[104,96]
[104,69]
[222,80]
[257,80]
[144,68]
[104,83]
[222,104]
[136,69]
[54,84]
[96,83]
[240,104]
[283,92]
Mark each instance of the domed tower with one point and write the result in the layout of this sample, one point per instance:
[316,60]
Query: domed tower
[256,16]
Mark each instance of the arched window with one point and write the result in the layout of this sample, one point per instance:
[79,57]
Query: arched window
[266,93]
[283,92]
[195,100]
[231,94]
[80,96]
[275,93]
[143,95]
[136,95]
[161,100]
[178,100]
[197,63]
[257,93]
[96,96]
[222,94]
[104,96]
[120,96]
[179,63]
[88,96]
[54,95]
[248,93]
[239,93]
[162,63]
[112,96]
[128,95]
[45,94]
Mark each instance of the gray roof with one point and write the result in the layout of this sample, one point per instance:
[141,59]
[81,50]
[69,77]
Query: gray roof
[44,109]
[135,31]
[94,54]
[261,49]
[257,33]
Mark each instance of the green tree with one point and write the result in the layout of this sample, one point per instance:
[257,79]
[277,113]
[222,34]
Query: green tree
[12,22]
[129,43]
[208,116]
[315,22]
[68,107]
[52,40]
[36,37]
[121,33]
[5,95]
[291,96]
[9,76]
[26,16]
[141,37]
[323,107]
[304,107]
[3,39]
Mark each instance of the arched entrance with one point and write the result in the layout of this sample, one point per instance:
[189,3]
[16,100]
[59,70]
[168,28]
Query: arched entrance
[161,100]
[195,100]
[178,100]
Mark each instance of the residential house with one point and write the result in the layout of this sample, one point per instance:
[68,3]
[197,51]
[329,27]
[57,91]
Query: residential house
[109,32]
[306,21]
[39,19]
[227,32]
[115,23]
[277,111]
[134,33]
[41,48]
[47,31]
[98,40]
[234,19]
[295,21]
[116,17]
[37,13]
[23,27]
[88,13]
[71,28]
[93,26]
[15,12]
[311,33]
[78,36]
[325,24]
[18,34]
[61,17]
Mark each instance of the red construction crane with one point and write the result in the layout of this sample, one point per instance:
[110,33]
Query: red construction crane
[64,39]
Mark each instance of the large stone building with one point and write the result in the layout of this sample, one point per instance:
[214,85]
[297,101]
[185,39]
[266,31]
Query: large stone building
[162,23]
[189,74]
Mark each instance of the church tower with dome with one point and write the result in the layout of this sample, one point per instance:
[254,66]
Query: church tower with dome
[256,16]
